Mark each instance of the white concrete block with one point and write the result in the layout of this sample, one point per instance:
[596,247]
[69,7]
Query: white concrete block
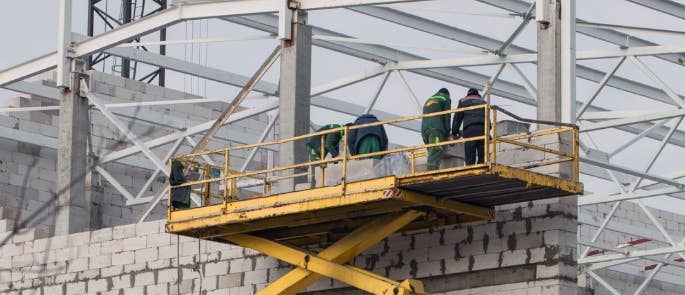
[101,261]
[167,275]
[145,255]
[217,268]
[76,288]
[97,285]
[123,258]
[124,231]
[144,279]
[135,243]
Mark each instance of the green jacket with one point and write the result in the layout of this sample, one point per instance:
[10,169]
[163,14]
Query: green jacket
[437,103]
[330,143]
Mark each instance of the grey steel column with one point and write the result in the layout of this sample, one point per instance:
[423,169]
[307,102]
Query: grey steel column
[549,61]
[294,91]
[73,203]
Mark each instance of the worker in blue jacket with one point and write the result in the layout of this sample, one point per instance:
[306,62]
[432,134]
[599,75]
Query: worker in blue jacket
[474,125]
[367,139]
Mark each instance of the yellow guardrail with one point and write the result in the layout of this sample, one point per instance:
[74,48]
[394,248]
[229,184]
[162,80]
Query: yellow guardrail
[209,175]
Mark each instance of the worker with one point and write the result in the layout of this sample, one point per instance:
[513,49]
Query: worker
[331,143]
[436,128]
[473,121]
[180,196]
[367,140]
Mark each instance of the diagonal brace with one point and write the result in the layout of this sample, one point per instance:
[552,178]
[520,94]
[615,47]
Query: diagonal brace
[340,252]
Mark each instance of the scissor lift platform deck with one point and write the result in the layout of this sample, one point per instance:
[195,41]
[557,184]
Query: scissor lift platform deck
[311,216]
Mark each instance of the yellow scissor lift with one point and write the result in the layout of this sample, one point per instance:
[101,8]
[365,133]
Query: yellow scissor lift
[348,218]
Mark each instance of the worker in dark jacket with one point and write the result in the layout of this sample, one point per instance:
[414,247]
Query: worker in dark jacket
[436,128]
[368,139]
[474,122]
[180,196]
[331,143]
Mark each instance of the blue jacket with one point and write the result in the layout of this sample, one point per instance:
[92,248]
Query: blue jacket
[356,135]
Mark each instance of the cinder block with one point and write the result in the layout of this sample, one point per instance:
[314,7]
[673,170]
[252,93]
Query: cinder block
[123,258]
[255,277]
[217,268]
[240,265]
[76,288]
[101,235]
[10,249]
[112,271]
[169,251]
[22,260]
[121,282]
[158,264]
[157,240]
[135,291]
[101,261]
[78,239]
[145,255]
[167,275]
[487,261]
[135,243]
[147,228]
[78,264]
[230,280]
[124,231]
[112,246]
[144,279]
[97,285]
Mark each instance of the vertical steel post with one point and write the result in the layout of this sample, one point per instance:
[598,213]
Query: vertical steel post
[63,44]
[126,18]
[161,78]
[295,96]
[568,61]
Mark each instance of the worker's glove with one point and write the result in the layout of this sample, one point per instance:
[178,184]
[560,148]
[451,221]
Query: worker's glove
[456,135]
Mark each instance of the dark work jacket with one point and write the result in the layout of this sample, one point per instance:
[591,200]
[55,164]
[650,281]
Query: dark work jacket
[437,103]
[330,142]
[470,117]
[180,197]
[356,135]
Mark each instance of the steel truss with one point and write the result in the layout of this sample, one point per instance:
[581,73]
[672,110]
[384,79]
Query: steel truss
[270,16]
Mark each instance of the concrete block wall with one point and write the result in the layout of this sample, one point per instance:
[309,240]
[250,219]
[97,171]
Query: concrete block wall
[28,163]
[528,249]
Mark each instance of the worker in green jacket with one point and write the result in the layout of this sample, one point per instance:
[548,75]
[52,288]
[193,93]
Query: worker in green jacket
[331,142]
[435,129]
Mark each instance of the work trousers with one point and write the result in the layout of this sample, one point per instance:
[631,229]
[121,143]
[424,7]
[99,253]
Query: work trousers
[474,150]
[434,153]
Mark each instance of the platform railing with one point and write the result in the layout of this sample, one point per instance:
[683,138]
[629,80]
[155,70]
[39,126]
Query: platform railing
[221,183]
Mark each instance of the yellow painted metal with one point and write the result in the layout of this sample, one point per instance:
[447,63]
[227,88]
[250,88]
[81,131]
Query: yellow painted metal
[353,276]
[343,251]
[284,204]
[568,186]
[449,205]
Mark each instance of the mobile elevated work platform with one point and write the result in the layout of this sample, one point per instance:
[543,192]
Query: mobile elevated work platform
[352,213]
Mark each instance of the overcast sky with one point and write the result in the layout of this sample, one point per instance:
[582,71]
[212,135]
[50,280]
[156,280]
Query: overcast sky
[29,28]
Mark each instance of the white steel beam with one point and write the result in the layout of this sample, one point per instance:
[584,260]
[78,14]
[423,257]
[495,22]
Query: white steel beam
[632,172]
[665,6]
[631,254]
[27,69]
[568,61]
[122,127]
[115,183]
[605,198]
[653,116]
[377,93]
[190,131]
[652,76]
